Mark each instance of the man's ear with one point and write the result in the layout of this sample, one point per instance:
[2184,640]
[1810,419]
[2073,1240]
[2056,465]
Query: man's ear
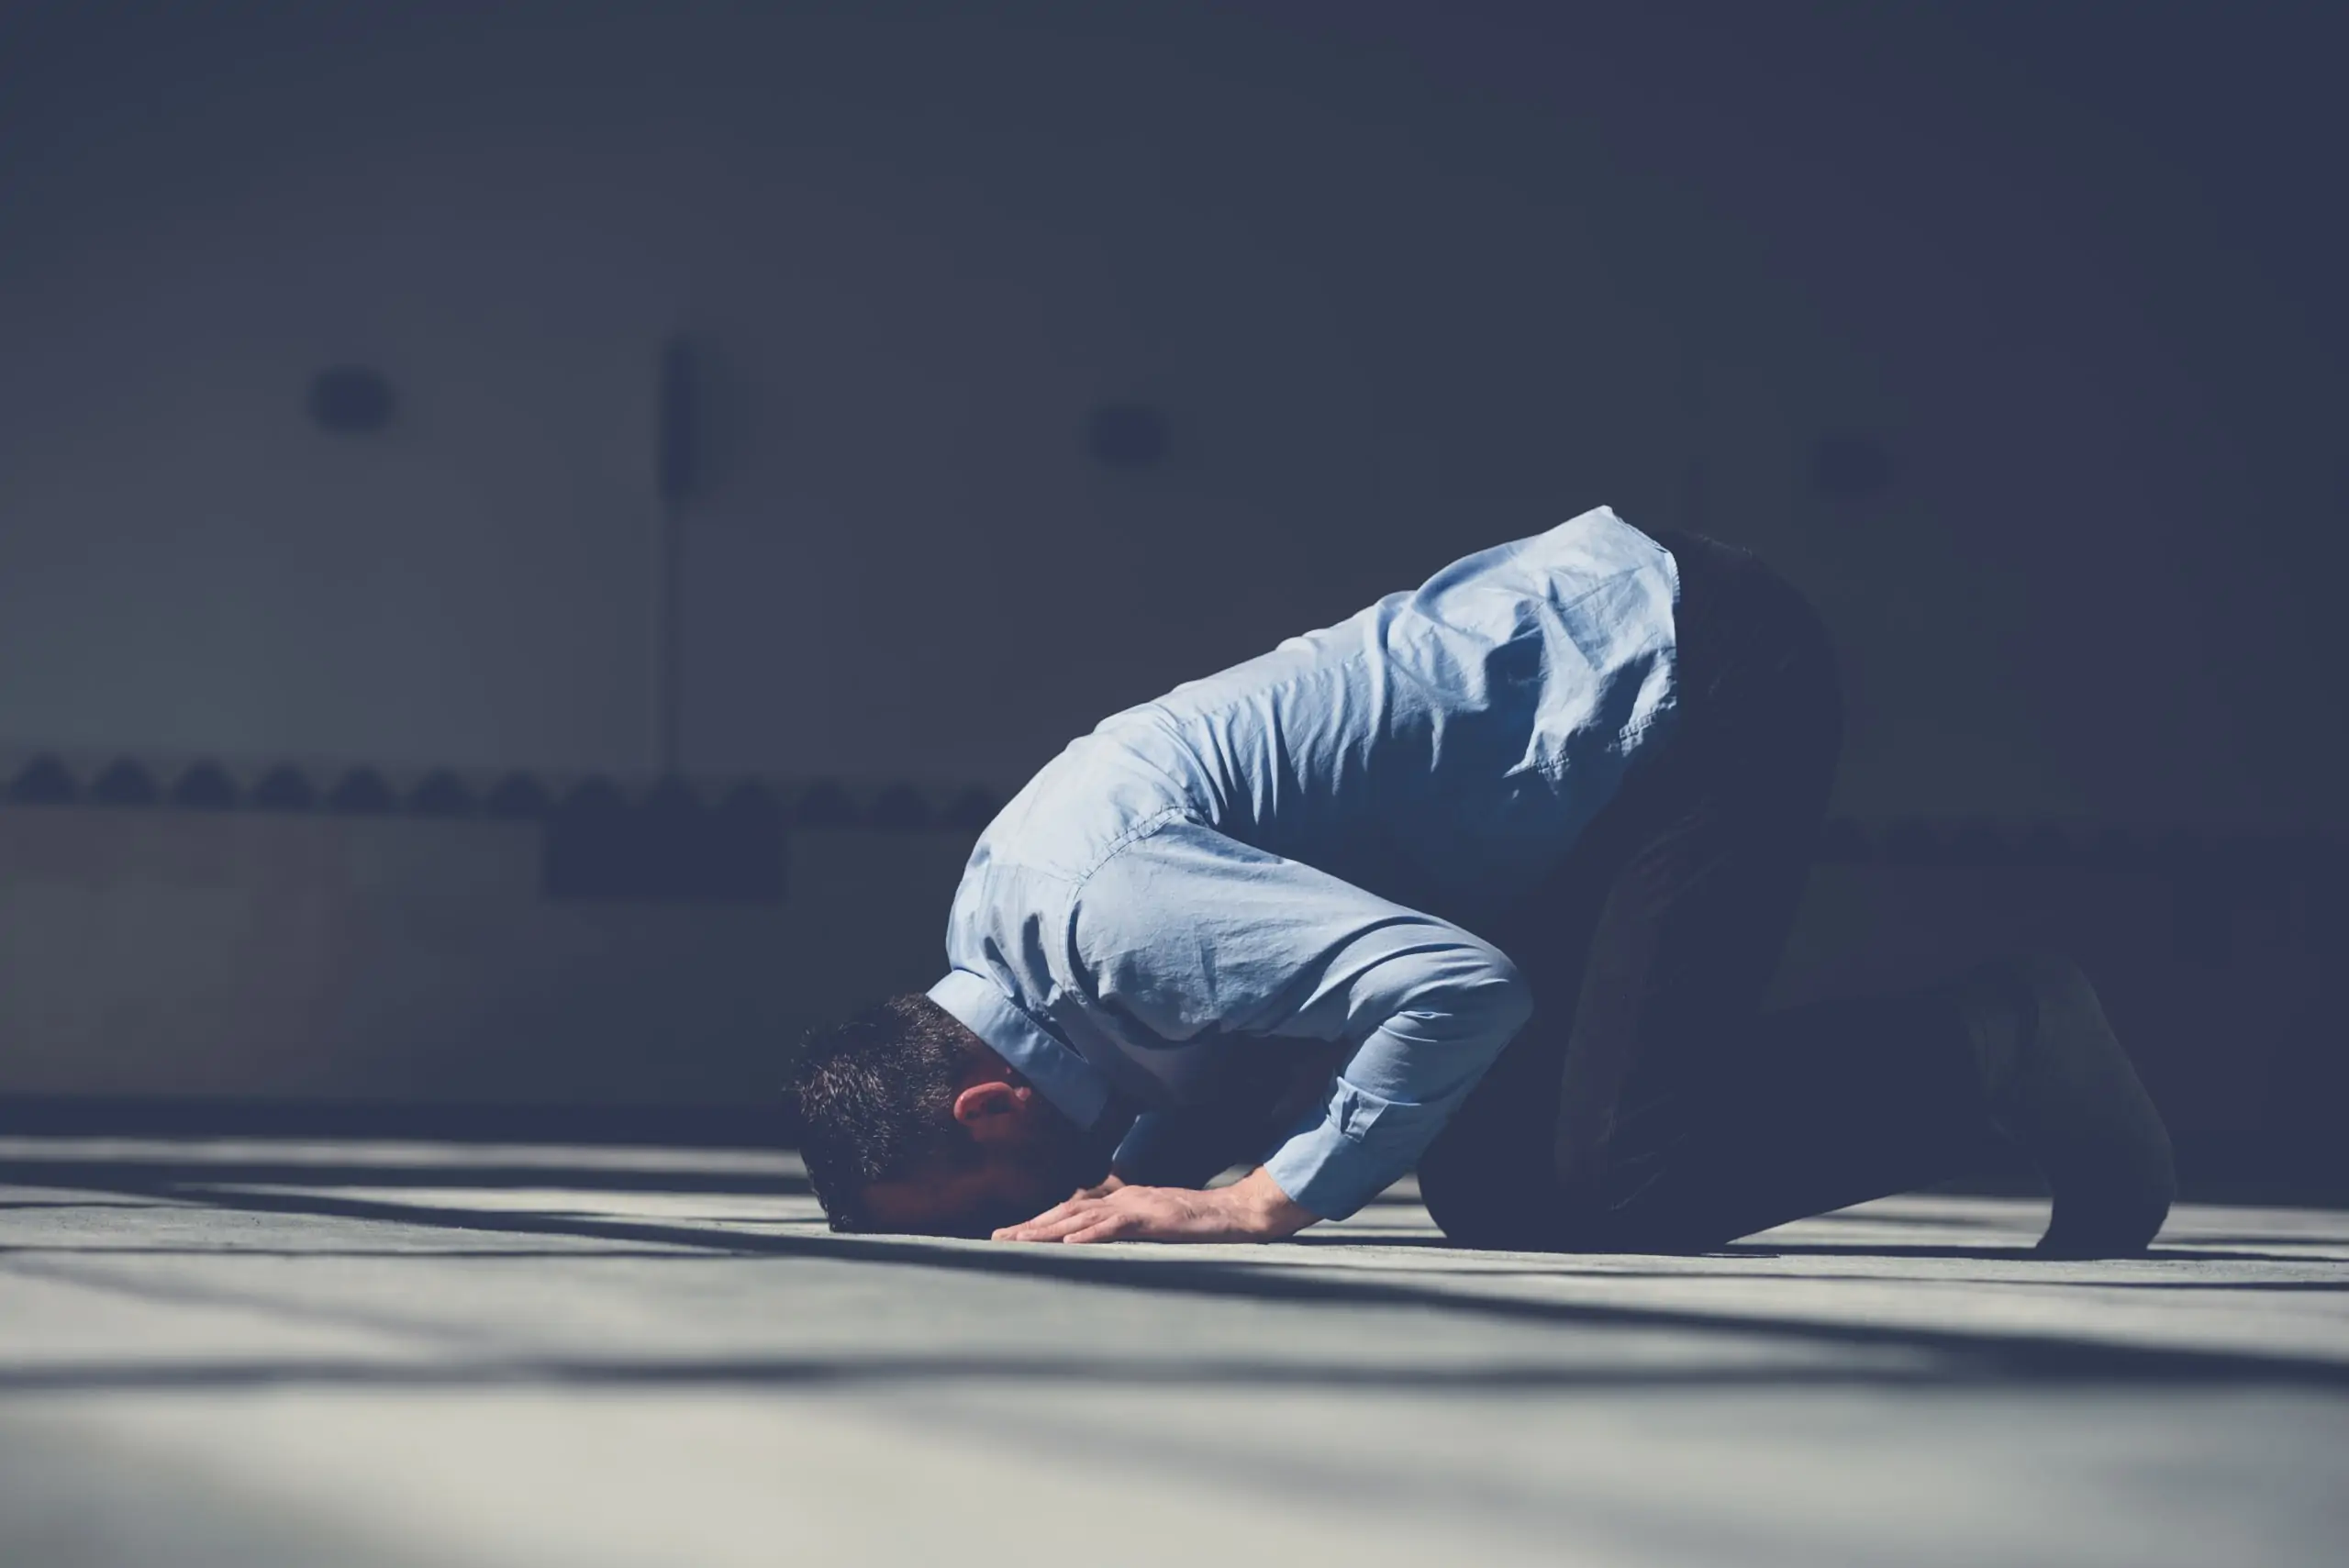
[992,1110]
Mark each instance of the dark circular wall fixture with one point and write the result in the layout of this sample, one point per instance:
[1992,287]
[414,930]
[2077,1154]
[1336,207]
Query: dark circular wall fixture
[1126,435]
[1850,467]
[351,400]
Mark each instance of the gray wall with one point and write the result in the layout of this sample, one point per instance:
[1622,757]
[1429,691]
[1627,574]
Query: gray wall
[395,963]
[1406,282]
[386,961]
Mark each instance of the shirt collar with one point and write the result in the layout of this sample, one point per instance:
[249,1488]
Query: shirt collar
[1060,1074]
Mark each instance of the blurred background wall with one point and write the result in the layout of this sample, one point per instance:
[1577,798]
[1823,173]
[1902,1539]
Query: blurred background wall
[1401,280]
[1045,355]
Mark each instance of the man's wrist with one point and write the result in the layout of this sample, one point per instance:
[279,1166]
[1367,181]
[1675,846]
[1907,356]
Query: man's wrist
[1263,1209]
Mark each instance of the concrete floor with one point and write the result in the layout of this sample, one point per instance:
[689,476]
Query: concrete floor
[374,1353]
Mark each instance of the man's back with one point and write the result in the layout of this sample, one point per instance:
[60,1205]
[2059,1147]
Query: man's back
[1439,749]
[1299,850]
[1171,936]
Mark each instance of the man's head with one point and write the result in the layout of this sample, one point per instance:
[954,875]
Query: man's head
[910,1123]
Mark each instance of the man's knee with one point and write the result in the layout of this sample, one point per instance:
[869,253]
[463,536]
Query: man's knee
[1483,1204]
[1476,1202]
[1606,1210]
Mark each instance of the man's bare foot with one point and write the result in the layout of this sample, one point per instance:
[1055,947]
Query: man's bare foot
[2062,1087]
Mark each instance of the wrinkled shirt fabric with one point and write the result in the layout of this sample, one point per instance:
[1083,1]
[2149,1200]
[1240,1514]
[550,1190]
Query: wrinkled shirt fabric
[1298,849]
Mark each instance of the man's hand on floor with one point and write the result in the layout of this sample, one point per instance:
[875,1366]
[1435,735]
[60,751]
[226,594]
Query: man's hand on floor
[1251,1209]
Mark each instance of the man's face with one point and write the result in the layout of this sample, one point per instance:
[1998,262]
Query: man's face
[975,1200]
[1026,1159]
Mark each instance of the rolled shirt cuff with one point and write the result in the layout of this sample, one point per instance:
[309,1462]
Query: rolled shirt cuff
[1357,1149]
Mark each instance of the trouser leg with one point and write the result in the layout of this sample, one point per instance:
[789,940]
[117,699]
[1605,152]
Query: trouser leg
[1649,1105]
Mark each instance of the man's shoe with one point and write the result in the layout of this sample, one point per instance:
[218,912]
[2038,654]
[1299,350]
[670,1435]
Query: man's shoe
[2064,1089]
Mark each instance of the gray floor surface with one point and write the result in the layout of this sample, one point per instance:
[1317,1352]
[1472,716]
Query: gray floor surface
[258,1353]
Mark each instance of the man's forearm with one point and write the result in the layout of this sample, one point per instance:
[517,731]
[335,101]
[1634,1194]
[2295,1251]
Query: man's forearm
[1389,1102]
[1188,1146]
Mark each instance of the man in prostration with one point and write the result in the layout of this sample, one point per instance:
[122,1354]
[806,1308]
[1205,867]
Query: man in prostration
[1486,880]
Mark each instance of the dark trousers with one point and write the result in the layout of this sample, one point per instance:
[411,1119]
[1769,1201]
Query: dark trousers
[1651,1105]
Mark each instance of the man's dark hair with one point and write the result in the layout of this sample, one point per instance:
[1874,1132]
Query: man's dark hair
[877,1101]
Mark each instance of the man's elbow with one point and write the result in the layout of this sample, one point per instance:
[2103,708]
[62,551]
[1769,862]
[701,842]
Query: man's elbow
[1490,989]
[1471,993]
[1510,996]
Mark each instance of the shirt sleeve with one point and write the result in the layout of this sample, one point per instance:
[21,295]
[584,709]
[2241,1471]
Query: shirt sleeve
[1184,933]
[1189,1146]
[1256,1106]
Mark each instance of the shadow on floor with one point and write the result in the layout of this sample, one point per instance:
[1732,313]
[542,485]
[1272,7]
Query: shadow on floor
[1948,1356]
[1089,1372]
[756,1127]
[163,1175]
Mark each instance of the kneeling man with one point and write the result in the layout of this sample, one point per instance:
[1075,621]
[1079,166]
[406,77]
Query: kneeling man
[1487,880]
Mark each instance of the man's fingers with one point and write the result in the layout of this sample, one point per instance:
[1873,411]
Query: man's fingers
[1059,1211]
[1146,1214]
[1132,1213]
[1053,1223]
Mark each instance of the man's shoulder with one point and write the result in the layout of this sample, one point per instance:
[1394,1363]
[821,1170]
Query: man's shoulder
[1594,546]
[1078,810]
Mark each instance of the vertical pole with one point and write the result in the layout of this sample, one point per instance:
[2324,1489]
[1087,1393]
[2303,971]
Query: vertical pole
[674,461]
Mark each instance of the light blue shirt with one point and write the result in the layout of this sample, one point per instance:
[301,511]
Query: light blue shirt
[1298,849]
